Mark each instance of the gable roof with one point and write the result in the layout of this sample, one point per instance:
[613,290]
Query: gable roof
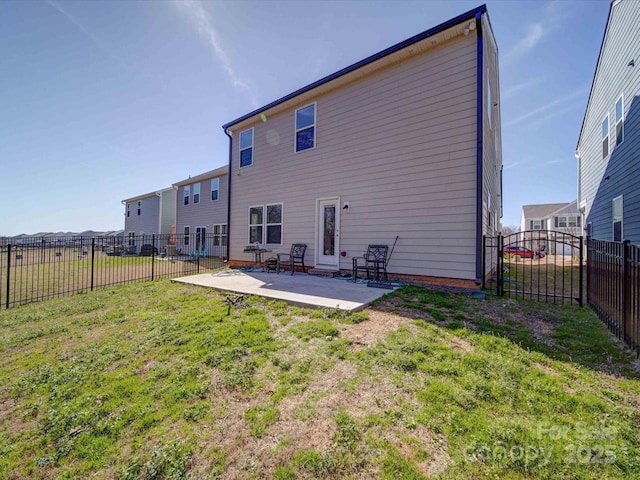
[145,195]
[543,210]
[595,73]
[471,14]
[203,176]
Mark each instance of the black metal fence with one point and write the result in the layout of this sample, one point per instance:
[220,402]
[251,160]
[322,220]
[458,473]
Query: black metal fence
[613,287]
[536,265]
[34,269]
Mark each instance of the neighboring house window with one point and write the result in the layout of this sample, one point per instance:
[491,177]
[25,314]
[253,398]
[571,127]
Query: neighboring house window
[220,234]
[186,235]
[128,209]
[617,218]
[619,121]
[215,188]
[306,127]
[132,239]
[568,221]
[139,207]
[246,148]
[196,193]
[187,194]
[605,137]
[271,222]
[536,225]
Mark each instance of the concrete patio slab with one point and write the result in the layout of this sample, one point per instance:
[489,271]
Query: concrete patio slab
[298,289]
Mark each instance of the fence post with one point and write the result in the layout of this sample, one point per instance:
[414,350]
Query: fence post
[589,267]
[93,254]
[580,275]
[484,259]
[198,248]
[8,273]
[500,266]
[626,287]
[153,253]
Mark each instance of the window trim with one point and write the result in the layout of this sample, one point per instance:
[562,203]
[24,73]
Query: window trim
[533,224]
[186,195]
[187,233]
[296,130]
[216,190]
[613,218]
[128,209]
[621,120]
[139,205]
[219,234]
[265,225]
[196,191]
[607,137]
[241,149]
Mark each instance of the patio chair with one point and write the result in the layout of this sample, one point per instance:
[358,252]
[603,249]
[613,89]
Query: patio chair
[293,258]
[373,262]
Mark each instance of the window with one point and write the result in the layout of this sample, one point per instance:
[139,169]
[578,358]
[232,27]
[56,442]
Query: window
[139,207]
[536,225]
[196,193]
[568,221]
[246,148]
[617,213]
[305,127]
[220,234]
[132,239]
[186,235]
[215,188]
[271,223]
[605,137]
[187,194]
[128,209]
[619,121]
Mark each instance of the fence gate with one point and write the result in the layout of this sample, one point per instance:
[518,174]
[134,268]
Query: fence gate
[537,265]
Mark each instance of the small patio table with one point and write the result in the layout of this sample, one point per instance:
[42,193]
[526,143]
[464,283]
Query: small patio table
[257,254]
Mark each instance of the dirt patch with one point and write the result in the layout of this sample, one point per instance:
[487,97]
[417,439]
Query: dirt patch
[373,330]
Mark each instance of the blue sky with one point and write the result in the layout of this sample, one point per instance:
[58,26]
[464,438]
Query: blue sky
[100,101]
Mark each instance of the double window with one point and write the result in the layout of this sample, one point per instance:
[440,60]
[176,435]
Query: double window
[265,219]
[220,234]
[246,148]
[215,188]
[617,214]
[568,221]
[196,193]
[306,127]
[187,194]
[186,235]
[619,121]
[605,137]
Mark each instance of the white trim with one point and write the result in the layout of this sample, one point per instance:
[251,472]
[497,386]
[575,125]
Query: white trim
[313,125]
[265,225]
[241,149]
[613,218]
[197,184]
[217,180]
[608,137]
[186,193]
[186,235]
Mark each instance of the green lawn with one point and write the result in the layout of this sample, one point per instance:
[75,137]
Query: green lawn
[160,380]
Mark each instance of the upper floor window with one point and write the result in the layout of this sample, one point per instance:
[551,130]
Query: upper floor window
[605,137]
[536,225]
[619,121]
[128,209]
[139,207]
[187,194]
[568,221]
[215,188]
[306,127]
[196,193]
[246,148]
[617,214]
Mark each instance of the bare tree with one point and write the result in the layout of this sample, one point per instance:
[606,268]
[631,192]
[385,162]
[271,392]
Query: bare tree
[509,229]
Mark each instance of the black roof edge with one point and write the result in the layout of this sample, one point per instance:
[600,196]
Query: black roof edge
[595,72]
[471,14]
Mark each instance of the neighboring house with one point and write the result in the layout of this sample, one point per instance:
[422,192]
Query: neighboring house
[609,142]
[151,213]
[202,203]
[403,143]
[540,224]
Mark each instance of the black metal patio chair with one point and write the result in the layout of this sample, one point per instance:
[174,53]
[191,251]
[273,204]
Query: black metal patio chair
[373,262]
[293,258]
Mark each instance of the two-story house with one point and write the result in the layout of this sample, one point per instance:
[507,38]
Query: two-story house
[609,145]
[540,224]
[201,209]
[405,143]
[151,213]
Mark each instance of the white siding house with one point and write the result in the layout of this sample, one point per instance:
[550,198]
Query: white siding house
[540,224]
[403,143]
[609,141]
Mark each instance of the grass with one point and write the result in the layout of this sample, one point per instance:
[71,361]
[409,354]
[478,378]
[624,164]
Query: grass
[157,380]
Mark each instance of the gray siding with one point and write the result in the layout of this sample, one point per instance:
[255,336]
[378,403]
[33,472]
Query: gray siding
[208,212]
[167,211]
[147,221]
[602,180]
[398,144]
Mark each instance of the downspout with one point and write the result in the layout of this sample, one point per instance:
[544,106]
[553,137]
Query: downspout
[479,163]
[226,132]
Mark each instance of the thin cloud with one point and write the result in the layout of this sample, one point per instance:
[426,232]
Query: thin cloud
[511,91]
[196,13]
[88,33]
[535,33]
[540,110]
[509,166]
